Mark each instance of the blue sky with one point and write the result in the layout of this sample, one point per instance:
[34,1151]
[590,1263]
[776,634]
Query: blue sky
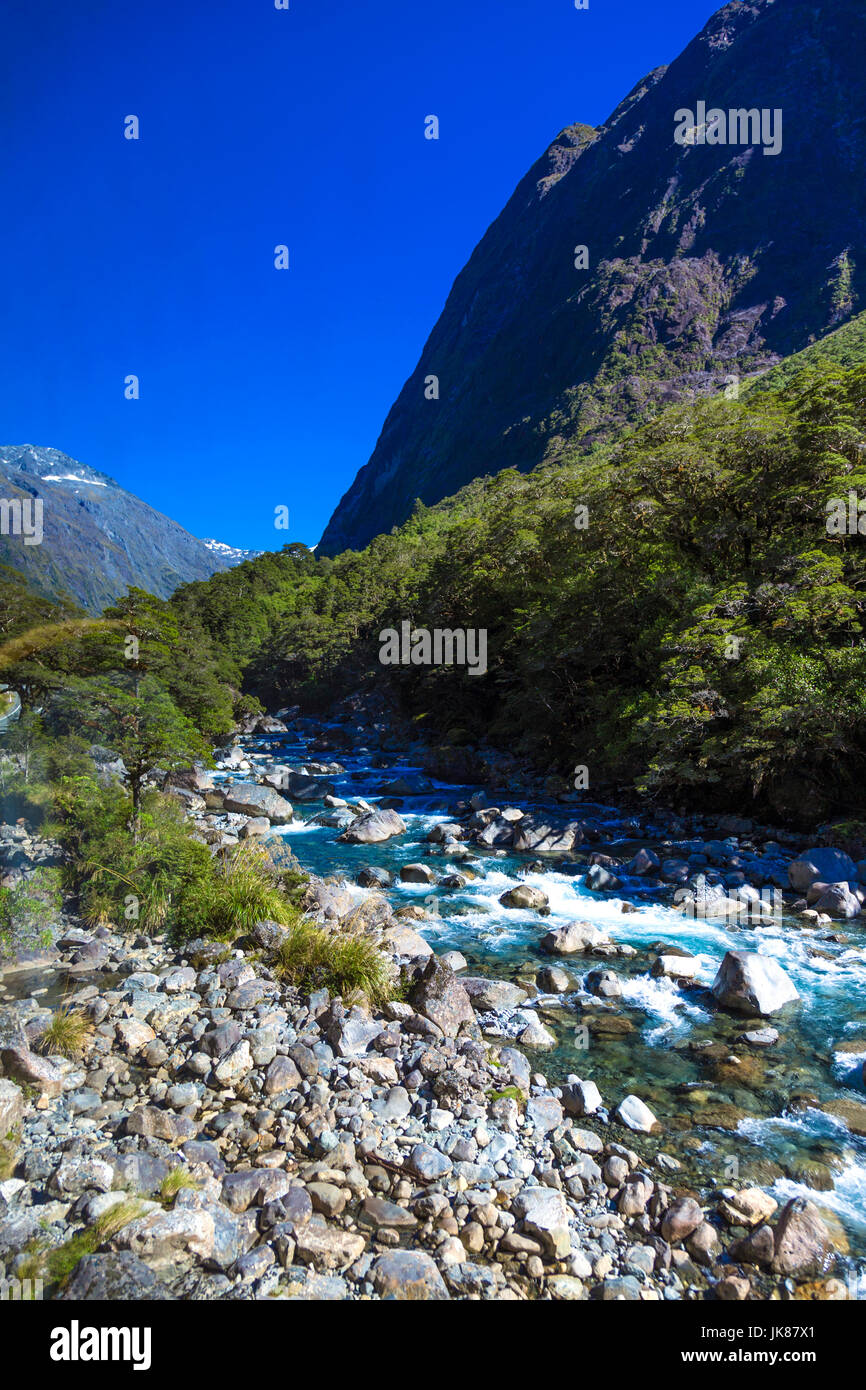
[260,127]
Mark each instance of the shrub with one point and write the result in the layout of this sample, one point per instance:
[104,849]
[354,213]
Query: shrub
[124,876]
[27,910]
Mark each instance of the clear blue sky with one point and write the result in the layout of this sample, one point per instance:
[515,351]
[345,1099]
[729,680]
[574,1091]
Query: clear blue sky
[261,388]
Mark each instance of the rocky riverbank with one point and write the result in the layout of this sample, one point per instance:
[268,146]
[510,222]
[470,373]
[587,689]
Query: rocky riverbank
[223,1136]
[255,1143]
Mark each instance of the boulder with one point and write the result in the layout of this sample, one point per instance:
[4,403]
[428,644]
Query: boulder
[427,1163]
[408,1275]
[326,1247]
[417,873]
[682,1218]
[117,1277]
[544,1213]
[826,865]
[493,995]
[162,1236]
[373,827]
[634,1114]
[600,880]
[750,983]
[541,837]
[525,897]
[352,1035]
[11,1108]
[675,967]
[234,1066]
[751,1206]
[837,900]
[581,1098]
[552,980]
[536,1035]
[572,938]
[301,787]
[802,1242]
[248,799]
[282,1075]
[22,1065]
[441,997]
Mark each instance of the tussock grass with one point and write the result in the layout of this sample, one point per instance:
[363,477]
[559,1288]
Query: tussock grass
[346,965]
[67,1034]
[60,1262]
[8,1154]
[174,1182]
[242,892]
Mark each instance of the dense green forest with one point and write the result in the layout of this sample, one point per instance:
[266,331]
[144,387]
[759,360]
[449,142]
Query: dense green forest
[677,610]
[696,632]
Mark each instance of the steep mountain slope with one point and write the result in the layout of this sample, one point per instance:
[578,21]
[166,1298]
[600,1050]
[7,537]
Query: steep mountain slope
[98,538]
[705,261]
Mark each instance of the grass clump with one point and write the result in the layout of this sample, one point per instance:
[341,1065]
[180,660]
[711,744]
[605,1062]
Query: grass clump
[8,1154]
[174,1182]
[60,1262]
[349,965]
[508,1093]
[67,1034]
[241,892]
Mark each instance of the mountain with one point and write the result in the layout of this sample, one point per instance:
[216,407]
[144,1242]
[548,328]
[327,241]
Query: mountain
[230,553]
[98,538]
[705,261]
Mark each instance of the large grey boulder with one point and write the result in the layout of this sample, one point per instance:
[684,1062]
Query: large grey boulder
[11,1107]
[20,1064]
[372,828]
[750,983]
[837,900]
[493,995]
[634,1114]
[408,1275]
[802,1242]
[300,786]
[524,896]
[440,997]
[820,864]
[543,838]
[118,1277]
[247,799]
[570,939]
[544,1214]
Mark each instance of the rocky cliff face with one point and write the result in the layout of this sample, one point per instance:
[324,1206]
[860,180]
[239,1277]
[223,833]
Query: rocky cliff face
[704,261]
[97,537]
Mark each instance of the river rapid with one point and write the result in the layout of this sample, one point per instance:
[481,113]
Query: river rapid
[730,1111]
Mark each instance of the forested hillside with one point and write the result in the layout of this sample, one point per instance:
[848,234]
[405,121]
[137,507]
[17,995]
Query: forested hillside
[697,632]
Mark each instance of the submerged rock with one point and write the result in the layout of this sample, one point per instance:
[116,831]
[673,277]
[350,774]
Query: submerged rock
[634,1114]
